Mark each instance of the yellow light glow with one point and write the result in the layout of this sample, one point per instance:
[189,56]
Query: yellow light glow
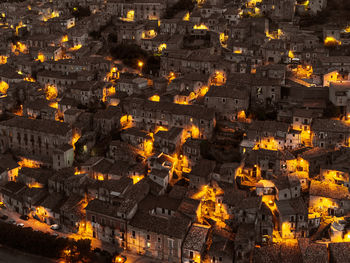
[41,57]
[194,131]
[171,76]
[208,195]
[126,121]
[41,212]
[64,39]
[186,17]
[223,39]
[25,162]
[50,16]
[3,87]
[19,48]
[3,59]
[130,16]
[54,105]
[218,78]
[85,228]
[20,25]
[75,48]
[35,185]
[241,115]
[140,64]
[19,111]
[286,230]
[113,74]
[331,41]
[148,148]
[100,177]
[76,136]
[200,27]
[274,35]
[154,98]
[303,71]
[136,178]
[290,54]
[107,92]
[268,143]
[51,92]
[29,79]
[149,34]
[185,165]
[161,47]
[237,51]
[253,3]
[160,128]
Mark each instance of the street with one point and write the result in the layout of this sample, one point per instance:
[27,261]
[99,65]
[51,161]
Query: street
[39,226]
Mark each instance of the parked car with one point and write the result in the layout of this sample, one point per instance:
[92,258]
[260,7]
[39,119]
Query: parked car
[24,217]
[119,259]
[20,224]
[55,227]
[12,222]
[55,234]
[3,217]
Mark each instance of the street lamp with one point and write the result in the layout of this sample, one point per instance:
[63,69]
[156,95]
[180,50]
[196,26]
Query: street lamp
[140,64]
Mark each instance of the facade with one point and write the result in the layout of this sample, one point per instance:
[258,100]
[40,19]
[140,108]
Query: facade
[35,137]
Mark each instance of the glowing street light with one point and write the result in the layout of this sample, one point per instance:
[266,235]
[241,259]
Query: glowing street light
[140,64]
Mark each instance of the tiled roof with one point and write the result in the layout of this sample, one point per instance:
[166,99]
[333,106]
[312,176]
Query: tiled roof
[44,126]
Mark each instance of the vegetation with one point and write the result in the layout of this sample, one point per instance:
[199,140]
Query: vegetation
[131,54]
[43,244]
[263,114]
[181,5]
[332,111]
[337,11]
[81,12]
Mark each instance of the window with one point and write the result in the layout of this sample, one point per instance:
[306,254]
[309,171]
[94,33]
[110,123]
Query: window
[148,244]
[148,237]
[191,254]
[133,234]
[170,243]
